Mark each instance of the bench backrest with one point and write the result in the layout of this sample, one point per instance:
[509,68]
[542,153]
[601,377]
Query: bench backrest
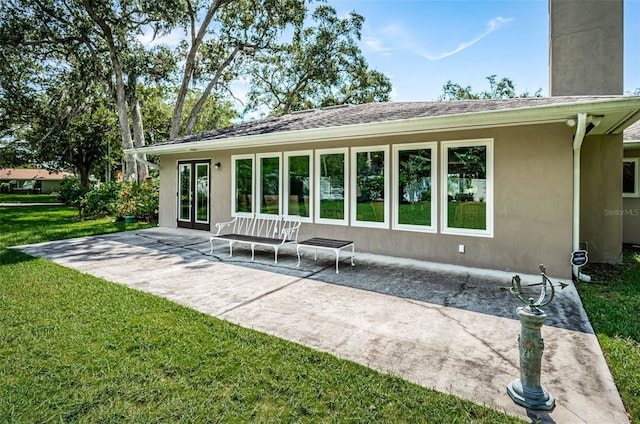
[263,225]
[267,226]
[243,224]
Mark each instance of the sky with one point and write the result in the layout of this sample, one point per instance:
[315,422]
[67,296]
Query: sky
[422,44]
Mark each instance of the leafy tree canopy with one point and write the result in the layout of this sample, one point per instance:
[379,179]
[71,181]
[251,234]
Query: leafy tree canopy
[498,89]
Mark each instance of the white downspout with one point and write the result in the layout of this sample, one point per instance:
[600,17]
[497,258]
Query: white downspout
[577,145]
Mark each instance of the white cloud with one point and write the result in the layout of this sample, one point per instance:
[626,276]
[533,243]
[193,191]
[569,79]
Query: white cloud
[376,45]
[397,37]
[493,25]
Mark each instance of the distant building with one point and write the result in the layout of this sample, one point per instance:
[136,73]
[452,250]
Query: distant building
[21,180]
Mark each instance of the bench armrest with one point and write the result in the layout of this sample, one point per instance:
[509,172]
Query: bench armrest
[221,225]
[290,230]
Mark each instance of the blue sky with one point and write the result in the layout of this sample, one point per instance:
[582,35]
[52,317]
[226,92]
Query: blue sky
[421,44]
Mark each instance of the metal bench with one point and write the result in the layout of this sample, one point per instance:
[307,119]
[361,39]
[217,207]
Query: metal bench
[258,229]
[327,244]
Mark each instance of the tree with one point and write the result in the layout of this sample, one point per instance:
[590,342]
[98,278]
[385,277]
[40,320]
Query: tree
[503,89]
[237,31]
[321,66]
[71,132]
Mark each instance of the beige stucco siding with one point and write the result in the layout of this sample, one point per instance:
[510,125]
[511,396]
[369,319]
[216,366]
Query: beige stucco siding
[532,202]
[631,210]
[601,193]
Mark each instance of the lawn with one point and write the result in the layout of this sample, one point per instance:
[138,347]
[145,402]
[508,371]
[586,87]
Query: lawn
[75,348]
[28,198]
[612,302]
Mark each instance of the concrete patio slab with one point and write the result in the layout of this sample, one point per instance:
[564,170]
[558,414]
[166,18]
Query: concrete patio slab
[443,327]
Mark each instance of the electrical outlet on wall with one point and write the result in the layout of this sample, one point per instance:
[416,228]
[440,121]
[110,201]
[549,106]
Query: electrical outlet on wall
[461,248]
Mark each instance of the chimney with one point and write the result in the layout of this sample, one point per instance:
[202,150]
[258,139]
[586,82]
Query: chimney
[586,47]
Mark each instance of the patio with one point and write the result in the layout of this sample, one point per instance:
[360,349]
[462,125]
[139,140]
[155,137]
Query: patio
[442,327]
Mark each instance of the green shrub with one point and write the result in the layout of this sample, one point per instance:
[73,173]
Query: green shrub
[102,200]
[139,199]
[73,193]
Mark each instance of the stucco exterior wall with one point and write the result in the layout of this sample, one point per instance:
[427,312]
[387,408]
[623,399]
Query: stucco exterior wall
[601,197]
[631,211]
[532,202]
[586,47]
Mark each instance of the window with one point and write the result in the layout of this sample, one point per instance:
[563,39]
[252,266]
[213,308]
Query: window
[630,177]
[269,192]
[202,193]
[370,187]
[184,192]
[242,183]
[467,194]
[414,196]
[331,175]
[298,170]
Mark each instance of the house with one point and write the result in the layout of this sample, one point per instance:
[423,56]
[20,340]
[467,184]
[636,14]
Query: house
[31,180]
[497,184]
[631,185]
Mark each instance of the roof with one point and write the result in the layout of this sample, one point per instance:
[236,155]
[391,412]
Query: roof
[371,119]
[31,174]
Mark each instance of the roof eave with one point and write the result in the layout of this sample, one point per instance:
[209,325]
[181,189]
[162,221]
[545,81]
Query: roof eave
[545,114]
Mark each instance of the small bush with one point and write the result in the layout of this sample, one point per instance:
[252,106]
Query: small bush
[139,199]
[102,200]
[73,193]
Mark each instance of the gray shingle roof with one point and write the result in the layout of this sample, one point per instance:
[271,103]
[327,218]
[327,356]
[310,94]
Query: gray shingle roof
[376,112]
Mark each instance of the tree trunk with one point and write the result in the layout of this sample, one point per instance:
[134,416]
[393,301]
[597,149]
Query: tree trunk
[191,122]
[138,137]
[196,41]
[121,100]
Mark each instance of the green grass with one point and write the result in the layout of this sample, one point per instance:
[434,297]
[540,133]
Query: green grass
[612,303]
[469,215]
[26,198]
[415,213]
[75,348]
[34,224]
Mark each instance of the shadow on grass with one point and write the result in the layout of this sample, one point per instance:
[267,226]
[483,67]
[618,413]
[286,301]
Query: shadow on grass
[11,257]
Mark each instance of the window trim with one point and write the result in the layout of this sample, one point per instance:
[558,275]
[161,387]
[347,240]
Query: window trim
[444,201]
[353,201]
[286,185]
[234,159]
[397,148]
[258,181]
[636,182]
[316,186]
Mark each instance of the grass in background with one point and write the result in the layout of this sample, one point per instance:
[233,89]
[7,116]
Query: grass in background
[78,348]
[612,303]
[28,198]
[34,224]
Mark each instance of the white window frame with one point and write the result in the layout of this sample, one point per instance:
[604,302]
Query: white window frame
[397,148]
[354,176]
[317,169]
[258,181]
[286,185]
[444,179]
[636,182]
[234,159]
